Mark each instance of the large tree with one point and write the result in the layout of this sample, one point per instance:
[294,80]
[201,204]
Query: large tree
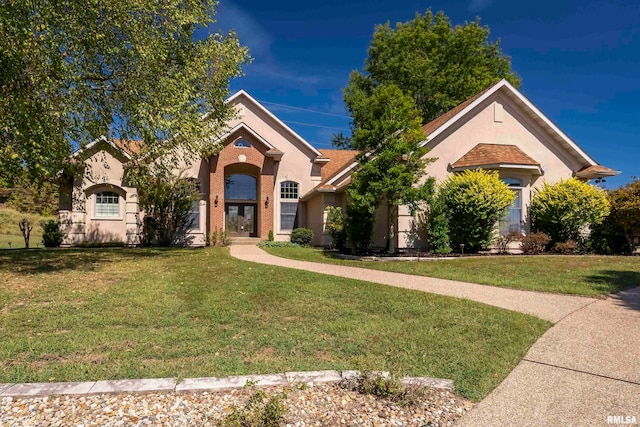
[387,131]
[625,210]
[437,64]
[72,70]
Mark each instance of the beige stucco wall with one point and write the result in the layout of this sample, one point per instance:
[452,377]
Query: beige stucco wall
[103,172]
[295,165]
[497,120]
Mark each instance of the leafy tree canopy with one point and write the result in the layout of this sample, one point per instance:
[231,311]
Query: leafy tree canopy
[72,70]
[625,209]
[437,64]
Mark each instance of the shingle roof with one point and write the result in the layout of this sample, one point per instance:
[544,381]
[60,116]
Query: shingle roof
[494,154]
[596,171]
[338,160]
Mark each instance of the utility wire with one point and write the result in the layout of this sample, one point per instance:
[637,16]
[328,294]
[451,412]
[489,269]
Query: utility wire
[317,126]
[304,109]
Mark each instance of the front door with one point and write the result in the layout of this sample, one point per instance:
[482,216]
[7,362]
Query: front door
[240,219]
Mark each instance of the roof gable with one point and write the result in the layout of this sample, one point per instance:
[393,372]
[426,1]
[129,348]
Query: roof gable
[449,119]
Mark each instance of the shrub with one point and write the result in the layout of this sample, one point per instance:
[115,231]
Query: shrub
[504,241]
[564,209]
[219,238]
[335,227]
[438,229]
[359,225]
[386,386]
[259,411]
[52,236]
[274,244]
[566,248]
[474,201]
[535,243]
[270,237]
[302,236]
[625,211]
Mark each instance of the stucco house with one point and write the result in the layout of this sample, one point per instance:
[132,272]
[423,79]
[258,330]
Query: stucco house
[268,178]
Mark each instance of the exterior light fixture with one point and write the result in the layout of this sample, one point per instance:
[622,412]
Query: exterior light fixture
[215,202]
[266,202]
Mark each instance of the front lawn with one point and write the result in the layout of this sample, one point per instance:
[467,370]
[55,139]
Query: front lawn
[589,275]
[74,315]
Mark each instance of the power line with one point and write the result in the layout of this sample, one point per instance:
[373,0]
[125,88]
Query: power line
[304,109]
[317,126]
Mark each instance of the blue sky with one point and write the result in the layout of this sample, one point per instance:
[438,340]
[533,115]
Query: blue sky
[579,62]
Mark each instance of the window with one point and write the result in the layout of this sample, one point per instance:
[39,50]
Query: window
[512,221]
[289,190]
[289,208]
[240,187]
[288,213]
[107,204]
[194,216]
[242,143]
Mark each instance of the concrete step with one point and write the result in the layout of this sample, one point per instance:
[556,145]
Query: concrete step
[245,240]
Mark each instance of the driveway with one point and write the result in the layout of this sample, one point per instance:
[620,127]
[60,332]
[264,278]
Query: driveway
[583,371]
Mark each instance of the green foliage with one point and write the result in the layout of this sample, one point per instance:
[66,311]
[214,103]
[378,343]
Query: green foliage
[359,225]
[75,70]
[274,244]
[386,386]
[270,236]
[259,411]
[564,209]
[625,210]
[167,201]
[535,243]
[437,228]
[219,237]
[474,201]
[567,248]
[335,226]
[51,235]
[387,130]
[40,197]
[301,236]
[438,65]
[606,238]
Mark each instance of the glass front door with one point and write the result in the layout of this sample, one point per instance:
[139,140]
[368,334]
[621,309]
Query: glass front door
[240,219]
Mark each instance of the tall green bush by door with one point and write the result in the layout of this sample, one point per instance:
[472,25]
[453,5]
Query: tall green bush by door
[335,227]
[474,201]
[567,208]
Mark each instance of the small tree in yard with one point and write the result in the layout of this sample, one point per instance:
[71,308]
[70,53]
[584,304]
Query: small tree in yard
[564,209]
[167,201]
[625,210]
[25,228]
[474,201]
[335,227]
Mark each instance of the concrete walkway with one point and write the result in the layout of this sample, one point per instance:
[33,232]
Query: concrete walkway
[584,371]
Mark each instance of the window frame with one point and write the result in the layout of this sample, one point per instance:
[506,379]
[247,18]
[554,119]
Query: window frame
[240,143]
[105,205]
[289,196]
[515,185]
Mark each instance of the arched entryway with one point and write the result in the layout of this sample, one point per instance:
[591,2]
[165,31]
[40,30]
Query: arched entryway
[241,195]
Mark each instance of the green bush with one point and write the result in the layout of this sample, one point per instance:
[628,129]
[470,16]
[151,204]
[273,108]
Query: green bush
[274,244]
[567,248]
[259,411]
[335,226]
[51,235]
[535,243]
[564,209]
[359,225]
[438,229]
[474,201]
[302,236]
[270,237]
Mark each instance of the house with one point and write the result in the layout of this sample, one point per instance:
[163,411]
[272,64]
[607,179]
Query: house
[268,178]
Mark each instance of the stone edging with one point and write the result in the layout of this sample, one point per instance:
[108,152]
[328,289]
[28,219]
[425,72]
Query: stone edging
[190,385]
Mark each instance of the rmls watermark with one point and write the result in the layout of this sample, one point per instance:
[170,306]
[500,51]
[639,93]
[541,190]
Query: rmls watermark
[622,420]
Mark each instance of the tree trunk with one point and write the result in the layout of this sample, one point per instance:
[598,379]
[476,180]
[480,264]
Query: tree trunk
[391,239]
[25,228]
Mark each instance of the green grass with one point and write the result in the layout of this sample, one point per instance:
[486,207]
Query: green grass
[73,315]
[10,231]
[588,275]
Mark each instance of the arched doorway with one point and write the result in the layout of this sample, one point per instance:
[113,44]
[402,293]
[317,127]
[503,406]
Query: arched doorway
[241,202]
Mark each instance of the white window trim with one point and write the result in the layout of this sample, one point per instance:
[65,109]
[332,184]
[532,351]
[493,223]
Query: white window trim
[121,203]
[278,209]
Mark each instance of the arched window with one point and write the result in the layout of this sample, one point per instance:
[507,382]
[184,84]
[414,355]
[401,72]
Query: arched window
[107,204]
[288,204]
[242,143]
[240,187]
[512,222]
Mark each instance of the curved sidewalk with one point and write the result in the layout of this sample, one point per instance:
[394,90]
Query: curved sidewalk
[552,307]
[584,371]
